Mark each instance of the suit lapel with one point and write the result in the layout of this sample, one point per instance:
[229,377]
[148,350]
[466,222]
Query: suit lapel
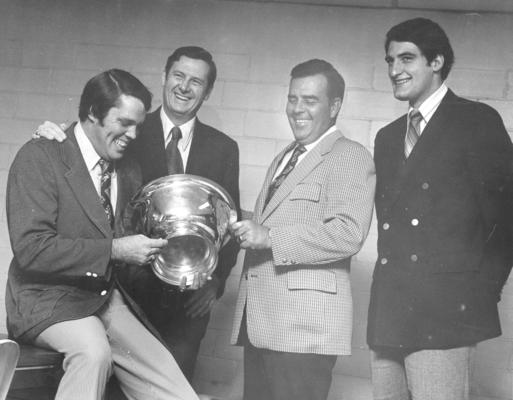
[81,184]
[156,144]
[259,206]
[298,174]
[199,149]
[426,145]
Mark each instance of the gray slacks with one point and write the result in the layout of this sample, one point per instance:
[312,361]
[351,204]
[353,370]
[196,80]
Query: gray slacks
[114,341]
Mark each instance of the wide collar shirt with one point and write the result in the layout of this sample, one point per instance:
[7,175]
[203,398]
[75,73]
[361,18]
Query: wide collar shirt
[429,106]
[308,148]
[187,129]
[91,159]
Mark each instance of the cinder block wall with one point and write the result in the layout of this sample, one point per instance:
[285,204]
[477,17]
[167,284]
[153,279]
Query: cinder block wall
[49,48]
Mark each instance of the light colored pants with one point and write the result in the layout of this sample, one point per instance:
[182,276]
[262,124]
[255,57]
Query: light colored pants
[114,341]
[422,375]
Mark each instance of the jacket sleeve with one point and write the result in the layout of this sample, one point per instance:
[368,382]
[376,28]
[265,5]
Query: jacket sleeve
[489,159]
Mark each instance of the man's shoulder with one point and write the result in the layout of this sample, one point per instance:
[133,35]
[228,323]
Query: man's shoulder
[342,144]
[472,109]
[214,134]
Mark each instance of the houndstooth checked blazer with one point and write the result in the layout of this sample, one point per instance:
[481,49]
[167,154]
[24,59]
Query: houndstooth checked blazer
[298,295]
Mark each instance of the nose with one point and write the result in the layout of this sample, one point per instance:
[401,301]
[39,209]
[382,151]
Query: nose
[184,85]
[298,107]
[131,132]
[394,68]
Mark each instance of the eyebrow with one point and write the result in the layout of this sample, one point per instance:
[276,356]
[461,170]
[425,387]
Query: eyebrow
[127,121]
[400,55]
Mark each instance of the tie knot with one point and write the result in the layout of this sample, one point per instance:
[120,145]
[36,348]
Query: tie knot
[299,149]
[415,116]
[176,134]
[106,166]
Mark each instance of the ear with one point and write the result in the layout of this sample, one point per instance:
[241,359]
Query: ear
[91,117]
[437,63]
[336,103]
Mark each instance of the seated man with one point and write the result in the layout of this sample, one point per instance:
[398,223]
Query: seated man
[64,207]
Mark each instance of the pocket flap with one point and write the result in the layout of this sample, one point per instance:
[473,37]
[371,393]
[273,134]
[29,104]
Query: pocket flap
[306,191]
[312,279]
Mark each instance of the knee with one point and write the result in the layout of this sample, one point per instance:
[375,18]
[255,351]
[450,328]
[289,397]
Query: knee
[95,357]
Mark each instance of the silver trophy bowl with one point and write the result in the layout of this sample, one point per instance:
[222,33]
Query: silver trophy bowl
[193,214]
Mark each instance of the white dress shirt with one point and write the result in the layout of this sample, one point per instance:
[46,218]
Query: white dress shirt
[308,148]
[91,159]
[187,129]
[429,106]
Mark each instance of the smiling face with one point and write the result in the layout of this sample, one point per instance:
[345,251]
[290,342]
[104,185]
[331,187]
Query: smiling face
[309,109]
[185,88]
[413,78]
[111,136]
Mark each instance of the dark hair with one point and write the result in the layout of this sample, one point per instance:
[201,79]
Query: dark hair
[197,53]
[336,84]
[428,36]
[102,92]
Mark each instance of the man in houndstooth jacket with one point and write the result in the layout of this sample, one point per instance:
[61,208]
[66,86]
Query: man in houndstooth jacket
[294,309]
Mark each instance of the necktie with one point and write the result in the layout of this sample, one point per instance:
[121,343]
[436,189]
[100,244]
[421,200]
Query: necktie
[275,184]
[174,158]
[413,132]
[106,171]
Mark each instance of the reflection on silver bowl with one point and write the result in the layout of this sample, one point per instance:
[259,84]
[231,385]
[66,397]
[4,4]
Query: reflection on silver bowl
[193,214]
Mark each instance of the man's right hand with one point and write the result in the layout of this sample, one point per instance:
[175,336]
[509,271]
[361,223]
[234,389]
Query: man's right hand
[136,249]
[51,131]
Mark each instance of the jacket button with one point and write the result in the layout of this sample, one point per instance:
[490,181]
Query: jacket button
[414,258]
[383,261]
[425,186]
[386,226]
[414,221]
[103,293]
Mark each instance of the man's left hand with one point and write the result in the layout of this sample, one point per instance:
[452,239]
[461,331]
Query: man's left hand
[251,235]
[203,299]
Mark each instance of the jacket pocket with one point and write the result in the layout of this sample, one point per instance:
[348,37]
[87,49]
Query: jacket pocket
[40,302]
[312,279]
[306,191]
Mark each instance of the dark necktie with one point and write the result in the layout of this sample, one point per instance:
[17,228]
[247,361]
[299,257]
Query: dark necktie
[105,180]
[413,132]
[275,184]
[174,158]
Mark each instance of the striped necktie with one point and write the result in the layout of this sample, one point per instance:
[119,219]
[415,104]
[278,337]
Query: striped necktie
[173,156]
[105,181]
[413,132]
[275,184]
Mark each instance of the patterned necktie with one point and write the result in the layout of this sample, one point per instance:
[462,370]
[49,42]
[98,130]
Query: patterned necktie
[105,179]
[413,132]
[174,158]
[275,184]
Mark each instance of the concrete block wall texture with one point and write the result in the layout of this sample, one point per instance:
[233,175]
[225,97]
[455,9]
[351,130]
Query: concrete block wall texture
[49,48]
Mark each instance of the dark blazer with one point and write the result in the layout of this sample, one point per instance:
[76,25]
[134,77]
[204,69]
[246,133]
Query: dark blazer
[444,229]
[60,236]
[212,155]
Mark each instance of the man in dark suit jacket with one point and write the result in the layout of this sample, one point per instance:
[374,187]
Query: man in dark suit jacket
[188,79]
[443,202]
[64,205]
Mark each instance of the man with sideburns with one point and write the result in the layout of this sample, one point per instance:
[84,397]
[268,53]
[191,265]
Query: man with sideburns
[444,208]
[65,204]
